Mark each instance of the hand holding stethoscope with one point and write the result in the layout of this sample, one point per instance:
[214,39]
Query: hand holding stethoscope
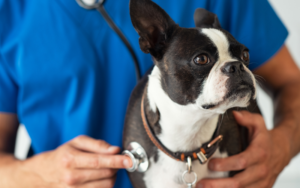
[135,151]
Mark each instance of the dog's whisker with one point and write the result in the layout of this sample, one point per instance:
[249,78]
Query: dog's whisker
[259,80]
[258,76]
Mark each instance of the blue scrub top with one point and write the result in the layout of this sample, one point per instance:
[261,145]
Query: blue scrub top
[66,73]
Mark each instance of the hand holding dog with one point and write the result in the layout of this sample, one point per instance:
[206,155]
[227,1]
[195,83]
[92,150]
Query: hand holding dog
[262,161]
[82,162]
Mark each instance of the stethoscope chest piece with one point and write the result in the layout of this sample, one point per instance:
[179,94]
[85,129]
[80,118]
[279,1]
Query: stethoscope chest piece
[138,157]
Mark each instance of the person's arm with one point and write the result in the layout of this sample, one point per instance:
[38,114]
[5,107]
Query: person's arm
[283,78]
[269,151]
[8,131]
[82,162]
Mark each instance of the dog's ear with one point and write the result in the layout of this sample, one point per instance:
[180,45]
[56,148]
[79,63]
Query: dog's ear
[153,24]
[204,18]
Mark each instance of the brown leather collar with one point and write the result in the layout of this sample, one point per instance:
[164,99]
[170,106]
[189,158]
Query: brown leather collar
[202,153]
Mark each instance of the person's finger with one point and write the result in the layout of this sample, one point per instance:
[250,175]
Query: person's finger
[75,177]
[78,159]
[250,156]
[251,121]
[106,183]
[89,144]
[263,183]
[251,175]
[217,183]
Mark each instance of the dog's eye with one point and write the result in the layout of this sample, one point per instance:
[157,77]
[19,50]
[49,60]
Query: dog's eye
[201,59]
[245,56]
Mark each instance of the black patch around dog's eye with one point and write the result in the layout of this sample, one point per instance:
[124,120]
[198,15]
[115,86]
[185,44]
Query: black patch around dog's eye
[240,51]
[182,79]
[237,49]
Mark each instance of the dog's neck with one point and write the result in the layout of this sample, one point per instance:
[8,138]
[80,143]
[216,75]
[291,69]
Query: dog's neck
[183,127]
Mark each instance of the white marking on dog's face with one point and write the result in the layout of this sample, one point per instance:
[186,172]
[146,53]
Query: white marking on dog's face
[191,124]
[222,44]
[214,87]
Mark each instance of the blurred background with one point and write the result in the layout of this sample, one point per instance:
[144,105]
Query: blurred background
[288,11]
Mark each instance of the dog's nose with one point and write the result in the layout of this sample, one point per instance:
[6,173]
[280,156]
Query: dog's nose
[235,67]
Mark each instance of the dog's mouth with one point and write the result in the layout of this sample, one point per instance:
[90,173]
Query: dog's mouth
[242,90]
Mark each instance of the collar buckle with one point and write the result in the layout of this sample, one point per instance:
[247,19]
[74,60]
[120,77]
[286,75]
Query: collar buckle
[201,157]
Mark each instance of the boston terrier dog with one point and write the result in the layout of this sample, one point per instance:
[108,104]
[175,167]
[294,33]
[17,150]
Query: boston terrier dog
[181,112]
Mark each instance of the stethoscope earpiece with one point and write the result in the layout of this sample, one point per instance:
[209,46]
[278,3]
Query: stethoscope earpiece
[90,4]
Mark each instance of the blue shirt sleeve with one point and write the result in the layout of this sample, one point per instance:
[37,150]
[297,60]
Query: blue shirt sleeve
[8,90]
[8,86]
[255,24]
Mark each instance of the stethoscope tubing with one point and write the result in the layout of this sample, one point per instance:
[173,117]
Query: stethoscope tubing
[99,6]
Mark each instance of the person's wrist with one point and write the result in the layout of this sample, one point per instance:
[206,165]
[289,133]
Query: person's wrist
[9,171]
[281,145]
[24,174]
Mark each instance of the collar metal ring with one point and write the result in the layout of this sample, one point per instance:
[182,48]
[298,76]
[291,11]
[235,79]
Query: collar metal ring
[189,183]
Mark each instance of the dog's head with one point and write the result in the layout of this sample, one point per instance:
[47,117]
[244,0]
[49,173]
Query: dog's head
[205,65]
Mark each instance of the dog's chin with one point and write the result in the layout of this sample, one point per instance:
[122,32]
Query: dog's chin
[239,97]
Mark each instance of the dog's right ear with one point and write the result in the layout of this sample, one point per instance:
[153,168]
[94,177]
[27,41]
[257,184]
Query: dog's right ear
[153,24]
[204,18]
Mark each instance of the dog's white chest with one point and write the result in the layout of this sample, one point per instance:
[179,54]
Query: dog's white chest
[167,172]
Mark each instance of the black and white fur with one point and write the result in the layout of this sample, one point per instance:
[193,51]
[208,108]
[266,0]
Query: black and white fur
[184,100]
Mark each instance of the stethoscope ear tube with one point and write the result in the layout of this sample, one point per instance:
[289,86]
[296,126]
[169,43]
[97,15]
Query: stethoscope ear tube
[98,4]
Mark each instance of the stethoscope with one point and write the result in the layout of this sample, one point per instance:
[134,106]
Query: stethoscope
[98,5]
[134,150]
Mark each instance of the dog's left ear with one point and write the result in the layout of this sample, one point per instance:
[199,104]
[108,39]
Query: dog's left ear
[204,18]
[153,24]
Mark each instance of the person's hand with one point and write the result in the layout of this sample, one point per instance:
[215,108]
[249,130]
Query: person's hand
[83,162]
[262,161]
